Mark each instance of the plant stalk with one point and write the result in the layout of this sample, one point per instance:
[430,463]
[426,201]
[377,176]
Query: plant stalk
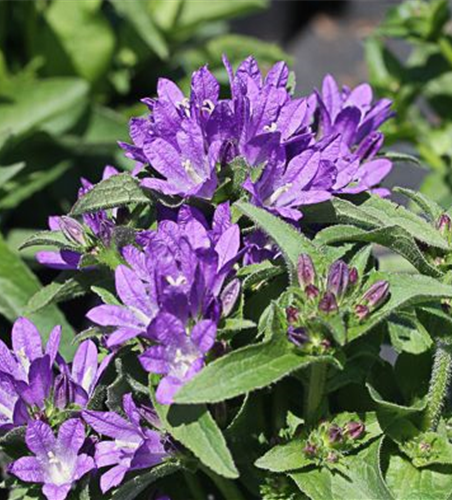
[315,391]
[439,385]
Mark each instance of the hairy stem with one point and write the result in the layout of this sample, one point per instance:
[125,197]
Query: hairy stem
[439,384]
[315,391]
[228,488]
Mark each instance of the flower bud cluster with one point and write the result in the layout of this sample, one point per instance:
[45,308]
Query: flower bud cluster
[338,292]
[330,441]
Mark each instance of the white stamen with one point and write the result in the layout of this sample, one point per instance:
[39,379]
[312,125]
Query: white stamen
[208,106]
[129,445]
[184,105]
[273,127]
[57,471]
[180,280]
[279,192]
[191,172]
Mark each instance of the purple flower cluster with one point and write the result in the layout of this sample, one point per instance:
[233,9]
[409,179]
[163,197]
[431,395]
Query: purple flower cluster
[173,291]
[298,151]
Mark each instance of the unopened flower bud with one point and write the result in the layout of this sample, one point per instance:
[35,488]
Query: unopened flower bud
[335,434]
[332,457]
[328,303]
[310,450]
[297,336]
[338,278]
[229,296]
[355,429]
[311,291]
[306,270]
[376,294]
[325,344]
[353,276]
[292,314]
[361,311]
[72,230]
[425,447]
[444,224]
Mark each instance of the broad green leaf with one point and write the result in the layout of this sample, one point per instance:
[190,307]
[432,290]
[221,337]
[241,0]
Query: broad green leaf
[407,482]
[136,12]
[64,288]
[397,157]
[427,205]
[392,237]
[9,172]
[17,285]
[134,487]
[30,183]
[405,290]
[375,212]
[360,479]
[254,274]
[36,104]
[116,191]
[85,35]
[194,427]
[290,241]
[408,335]
[48,238]
[290,456]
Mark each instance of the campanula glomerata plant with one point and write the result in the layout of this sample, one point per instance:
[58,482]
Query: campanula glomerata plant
[241,341]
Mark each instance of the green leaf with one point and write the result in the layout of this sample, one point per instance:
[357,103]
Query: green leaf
[428,206]
[136,12]
[392,237]
[409,483]
[247,369]
[63,289]
[405,290]
[116,191]
[85,35]
[50,238]
[288,457]
[35,104]
[291,242]
[194,427]
[7,173]
[360,479]
[134,487]
[408,335]
[17,285]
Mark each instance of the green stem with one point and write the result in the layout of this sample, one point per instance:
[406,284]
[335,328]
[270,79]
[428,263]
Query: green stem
[439,384]
[227,488]
[194,486]
[315,391]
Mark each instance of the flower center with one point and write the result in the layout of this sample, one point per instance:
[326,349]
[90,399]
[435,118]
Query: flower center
[208,106]
[278,193]
[179,281]
[273,127]
[57,471]
[191,172]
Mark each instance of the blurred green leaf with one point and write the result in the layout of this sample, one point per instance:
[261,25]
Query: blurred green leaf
[17,285]
[85,34]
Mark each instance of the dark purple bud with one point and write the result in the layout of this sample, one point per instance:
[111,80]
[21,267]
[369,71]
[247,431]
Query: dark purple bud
[335,434]
[310,450]
[292,314]
[338,278]
[306,270]
[376,294]
[312,291]
[425,447]
[326,344]
[229,296]
[353,276]
[444,224]
[355,429]
[297,336]
[328,303]
[72,230]
[370,146]
[362,311]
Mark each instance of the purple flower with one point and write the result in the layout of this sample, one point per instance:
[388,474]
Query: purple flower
[131,447]
[178,355]
[99,224]
[181,270]
[57,462]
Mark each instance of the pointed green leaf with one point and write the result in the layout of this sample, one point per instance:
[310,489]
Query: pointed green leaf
[116,191]
[50,238]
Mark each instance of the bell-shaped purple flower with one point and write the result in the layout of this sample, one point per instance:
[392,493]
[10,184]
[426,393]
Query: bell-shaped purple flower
[131,446]
[57,463]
